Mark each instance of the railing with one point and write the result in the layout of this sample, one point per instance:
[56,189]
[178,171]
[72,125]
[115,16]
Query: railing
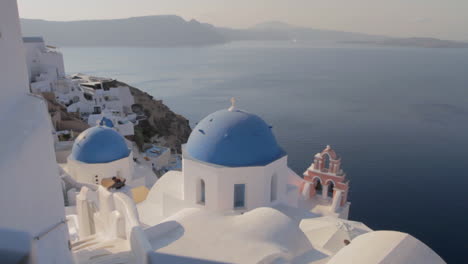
[50,229]
[139,242]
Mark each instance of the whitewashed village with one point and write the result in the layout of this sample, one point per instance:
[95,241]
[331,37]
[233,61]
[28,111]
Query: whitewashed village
[89,101]
[96,171]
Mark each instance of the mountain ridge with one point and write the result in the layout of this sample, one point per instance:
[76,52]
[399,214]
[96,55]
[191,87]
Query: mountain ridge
[174,31]
[134,31]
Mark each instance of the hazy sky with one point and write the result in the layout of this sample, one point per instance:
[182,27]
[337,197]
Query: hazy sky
[433,18]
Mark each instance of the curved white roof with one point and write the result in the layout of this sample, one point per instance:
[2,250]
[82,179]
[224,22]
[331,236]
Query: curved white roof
[329,233]
[385,247]
[261,234]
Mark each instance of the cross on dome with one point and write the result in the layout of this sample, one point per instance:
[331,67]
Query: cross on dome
[233,104]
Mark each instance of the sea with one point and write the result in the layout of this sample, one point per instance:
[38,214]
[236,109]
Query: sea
[398,117]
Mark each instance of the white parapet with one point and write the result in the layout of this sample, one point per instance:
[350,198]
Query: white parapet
[336,200]
[85,213]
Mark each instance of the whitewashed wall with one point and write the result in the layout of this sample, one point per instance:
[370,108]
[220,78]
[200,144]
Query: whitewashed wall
[13,70]
[220,181]
[86,172]
[30,193]
[42,60]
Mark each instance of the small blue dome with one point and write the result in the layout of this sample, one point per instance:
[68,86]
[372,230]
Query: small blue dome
[106,122]
[234,139]
[99,145]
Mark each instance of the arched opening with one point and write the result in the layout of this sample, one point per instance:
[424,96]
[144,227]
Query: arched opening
[318,185]
[326,162]
[273,187]
[201,195]
[331,186]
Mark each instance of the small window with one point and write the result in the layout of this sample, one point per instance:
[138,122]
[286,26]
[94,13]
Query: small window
[202,192]
[239,195]
[273,188]
[97,110]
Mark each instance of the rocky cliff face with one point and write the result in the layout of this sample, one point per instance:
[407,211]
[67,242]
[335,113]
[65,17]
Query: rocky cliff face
[157,123]
[160,125]
[61,119]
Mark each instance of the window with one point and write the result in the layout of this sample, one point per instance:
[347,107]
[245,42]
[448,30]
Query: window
[273,188]
[202,196]
[239,195]
[97,110]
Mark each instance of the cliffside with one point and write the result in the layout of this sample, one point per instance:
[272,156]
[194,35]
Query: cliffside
[61,119]
[158,123]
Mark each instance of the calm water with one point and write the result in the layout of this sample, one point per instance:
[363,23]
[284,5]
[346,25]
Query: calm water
[398,117]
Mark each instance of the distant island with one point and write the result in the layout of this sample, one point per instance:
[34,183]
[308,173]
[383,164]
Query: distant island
[414,42]
[173,31]
[159,31]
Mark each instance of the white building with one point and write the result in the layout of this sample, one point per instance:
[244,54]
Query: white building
[101,94]
[158,157]
[101,153]
[123,125]
[30,194]
[80,93]
[230,177]
[45,64]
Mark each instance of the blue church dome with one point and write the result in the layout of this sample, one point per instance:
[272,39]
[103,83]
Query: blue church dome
[235,139]
[99,144]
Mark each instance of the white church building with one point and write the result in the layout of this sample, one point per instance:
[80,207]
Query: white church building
[99,153]
[237,201]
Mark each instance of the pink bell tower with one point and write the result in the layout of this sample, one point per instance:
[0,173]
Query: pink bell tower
[325,179]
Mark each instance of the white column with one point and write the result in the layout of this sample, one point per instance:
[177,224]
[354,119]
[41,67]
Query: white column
[306,190]
[117,225]
[84,213]
[104,215]
[324,191]
[336,200]
[71,196]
